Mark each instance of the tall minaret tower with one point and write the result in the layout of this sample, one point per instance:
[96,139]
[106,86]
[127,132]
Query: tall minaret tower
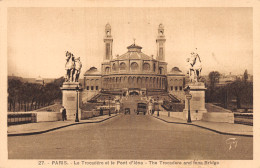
[160,41]
[108,40]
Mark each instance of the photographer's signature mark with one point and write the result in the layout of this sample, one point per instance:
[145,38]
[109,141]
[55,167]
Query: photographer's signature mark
[232,142]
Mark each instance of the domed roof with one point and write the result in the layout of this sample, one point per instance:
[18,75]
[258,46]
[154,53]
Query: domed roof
[39,78]
[161,26]
[92,71]
[134,52]
[108,26]
[134,46]
[175,71]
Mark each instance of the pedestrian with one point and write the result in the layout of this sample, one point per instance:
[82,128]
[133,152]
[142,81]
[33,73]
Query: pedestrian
[63,112]
[101,111]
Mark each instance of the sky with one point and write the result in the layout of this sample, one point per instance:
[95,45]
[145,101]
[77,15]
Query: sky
[39,37]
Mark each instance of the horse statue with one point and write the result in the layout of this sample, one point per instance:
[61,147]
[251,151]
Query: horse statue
[195,67]
[77,69]
[69,67]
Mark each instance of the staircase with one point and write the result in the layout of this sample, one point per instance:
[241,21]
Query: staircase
[94,98]
[174,98]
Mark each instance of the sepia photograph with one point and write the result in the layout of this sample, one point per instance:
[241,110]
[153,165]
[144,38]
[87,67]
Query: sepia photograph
[133,86]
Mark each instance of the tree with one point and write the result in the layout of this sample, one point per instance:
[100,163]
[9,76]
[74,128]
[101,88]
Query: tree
[14,93]
[243,93]
[245,76]
[214,78]
[59,81]
[31,96]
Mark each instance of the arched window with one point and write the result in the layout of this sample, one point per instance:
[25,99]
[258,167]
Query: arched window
[107,70]
[134,66]
[154,67]
[114,67]
[161,70]
[146,66]
[122,66]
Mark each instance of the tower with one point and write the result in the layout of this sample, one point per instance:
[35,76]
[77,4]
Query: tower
[108,40]
[160,41]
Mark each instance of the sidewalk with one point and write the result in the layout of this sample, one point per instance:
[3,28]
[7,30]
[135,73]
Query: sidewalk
[221,128]
[43,127]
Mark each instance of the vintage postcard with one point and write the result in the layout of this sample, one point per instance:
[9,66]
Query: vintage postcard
[129,84]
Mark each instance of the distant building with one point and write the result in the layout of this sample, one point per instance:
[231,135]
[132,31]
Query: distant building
[134,72]
[176,83]
[225,79]
[92,82]
[39,80]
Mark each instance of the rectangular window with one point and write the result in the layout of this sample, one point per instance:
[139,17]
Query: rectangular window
[180,87]
[171,87]
[92,87]
[87,87]
[107,50]
[161,52]
[96,87]
[176,88]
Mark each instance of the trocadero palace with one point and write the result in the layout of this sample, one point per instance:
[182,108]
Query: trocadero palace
[134,73]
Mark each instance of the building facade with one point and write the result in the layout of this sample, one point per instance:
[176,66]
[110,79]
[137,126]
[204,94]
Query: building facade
[134,72]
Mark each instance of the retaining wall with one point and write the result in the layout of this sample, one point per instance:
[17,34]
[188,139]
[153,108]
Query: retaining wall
[178,115]
[209,116]
[48,116]
[86,114]
[218,117]
[89,114]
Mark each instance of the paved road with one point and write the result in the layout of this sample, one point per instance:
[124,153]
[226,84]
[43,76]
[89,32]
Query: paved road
[129,137]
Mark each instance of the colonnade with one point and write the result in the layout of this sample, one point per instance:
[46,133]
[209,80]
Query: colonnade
[118,82]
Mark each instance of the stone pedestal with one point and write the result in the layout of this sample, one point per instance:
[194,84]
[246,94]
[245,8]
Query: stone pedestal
[197,102]
[71,98]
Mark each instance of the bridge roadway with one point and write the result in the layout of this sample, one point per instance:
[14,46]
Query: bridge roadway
[130,137]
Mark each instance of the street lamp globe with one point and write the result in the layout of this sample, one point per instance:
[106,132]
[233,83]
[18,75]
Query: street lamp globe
[187,90]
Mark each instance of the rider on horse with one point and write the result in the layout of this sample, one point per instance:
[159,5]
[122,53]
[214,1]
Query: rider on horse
[77,68]
[69,66]
[195,67]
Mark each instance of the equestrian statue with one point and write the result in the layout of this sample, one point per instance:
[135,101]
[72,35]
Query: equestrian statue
[194,66]
[72,67]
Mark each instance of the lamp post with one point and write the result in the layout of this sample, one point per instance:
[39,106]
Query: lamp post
[109,98]
[158,106]
[77,110]
[188,97]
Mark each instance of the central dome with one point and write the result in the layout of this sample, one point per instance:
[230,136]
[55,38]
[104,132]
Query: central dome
[134,46]
[134,52]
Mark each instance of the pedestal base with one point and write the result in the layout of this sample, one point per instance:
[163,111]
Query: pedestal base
[71,99]
[194,115]
[197,102]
